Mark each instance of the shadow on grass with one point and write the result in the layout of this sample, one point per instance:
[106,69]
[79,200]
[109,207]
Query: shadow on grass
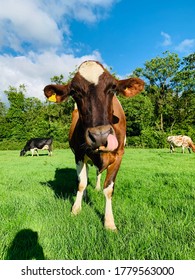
[36,156]
[25,246]
[64,184]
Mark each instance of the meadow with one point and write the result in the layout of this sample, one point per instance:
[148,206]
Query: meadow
[153,204]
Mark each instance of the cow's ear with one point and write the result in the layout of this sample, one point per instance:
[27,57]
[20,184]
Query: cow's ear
[57,93]
[130,87]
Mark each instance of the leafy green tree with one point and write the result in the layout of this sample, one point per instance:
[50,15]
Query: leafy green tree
[139,113]
[2,109]
[158,73]
[184,85]
[35,124]
[2,121]
[184,79]
[59,115]
[25,117]
[15,117]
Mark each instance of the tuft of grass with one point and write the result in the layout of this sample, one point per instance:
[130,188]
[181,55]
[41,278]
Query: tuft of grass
[153,205]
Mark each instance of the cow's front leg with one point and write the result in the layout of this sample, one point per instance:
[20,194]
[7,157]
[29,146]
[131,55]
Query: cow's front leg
[98,181]
[108,191]
[82,174]
[109,217]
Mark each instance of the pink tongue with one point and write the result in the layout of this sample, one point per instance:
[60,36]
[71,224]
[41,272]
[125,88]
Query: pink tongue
[112,142]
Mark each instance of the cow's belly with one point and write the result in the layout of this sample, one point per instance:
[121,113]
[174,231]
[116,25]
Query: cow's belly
[46,147]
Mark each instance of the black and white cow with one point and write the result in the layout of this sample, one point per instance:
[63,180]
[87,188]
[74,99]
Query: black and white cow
[35,144]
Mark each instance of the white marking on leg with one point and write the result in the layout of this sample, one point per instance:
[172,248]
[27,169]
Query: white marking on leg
[98,181]
[82,178]
[91,71]
[109,218]
[36,150]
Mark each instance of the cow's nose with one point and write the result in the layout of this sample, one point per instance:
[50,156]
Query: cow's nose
[97,136]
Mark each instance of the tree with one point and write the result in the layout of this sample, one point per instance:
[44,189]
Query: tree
[59,115]
[158,73]
[2,120]
[35,123]
[15,115]
[184,79]
[184,84]
[25,117]
[139,113]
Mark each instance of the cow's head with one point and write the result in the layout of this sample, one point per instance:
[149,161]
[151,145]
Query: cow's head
[23,152]
[93,88]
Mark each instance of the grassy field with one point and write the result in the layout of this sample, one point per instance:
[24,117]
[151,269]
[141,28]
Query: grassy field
[153,204]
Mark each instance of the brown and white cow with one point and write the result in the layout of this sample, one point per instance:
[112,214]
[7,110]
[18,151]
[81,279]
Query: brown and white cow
[98,129]
[181,141]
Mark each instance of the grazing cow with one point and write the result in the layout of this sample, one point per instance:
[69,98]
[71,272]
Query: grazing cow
[181,141]
[35,144]
[98,129]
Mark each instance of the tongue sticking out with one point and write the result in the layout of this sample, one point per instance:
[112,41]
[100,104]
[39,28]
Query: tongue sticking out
[112,143]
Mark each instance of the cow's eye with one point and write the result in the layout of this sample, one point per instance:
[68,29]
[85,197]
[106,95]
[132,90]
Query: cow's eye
[111,89]
[72,92]
[76,94]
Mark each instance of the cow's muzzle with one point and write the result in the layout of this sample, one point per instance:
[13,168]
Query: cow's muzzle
[101,138]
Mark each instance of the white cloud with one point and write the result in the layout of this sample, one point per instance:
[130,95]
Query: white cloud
[45,23]
[167,39]
[186,46]
[24,22]
[35,70]
[34,32]
[72,7]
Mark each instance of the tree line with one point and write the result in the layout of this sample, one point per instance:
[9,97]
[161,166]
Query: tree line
[165,107]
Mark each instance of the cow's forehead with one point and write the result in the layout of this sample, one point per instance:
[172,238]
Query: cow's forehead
[91,71]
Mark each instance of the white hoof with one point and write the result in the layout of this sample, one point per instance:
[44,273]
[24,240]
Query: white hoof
[110,226]
[75,210]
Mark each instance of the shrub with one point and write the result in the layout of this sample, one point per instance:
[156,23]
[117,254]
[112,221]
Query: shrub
[151,138]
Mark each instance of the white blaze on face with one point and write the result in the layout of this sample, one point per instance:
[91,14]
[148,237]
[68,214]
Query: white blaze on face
[91,71]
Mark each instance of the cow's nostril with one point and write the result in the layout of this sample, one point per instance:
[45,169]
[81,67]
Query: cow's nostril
[98,136]
[91,137]
[111,131]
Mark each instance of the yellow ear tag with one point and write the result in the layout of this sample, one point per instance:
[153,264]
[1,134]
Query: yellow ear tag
[52,98]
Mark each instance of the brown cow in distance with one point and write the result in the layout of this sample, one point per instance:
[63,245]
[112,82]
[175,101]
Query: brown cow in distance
[181,141]
[98,129]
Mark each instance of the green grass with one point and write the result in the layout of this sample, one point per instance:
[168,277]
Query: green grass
[153,204]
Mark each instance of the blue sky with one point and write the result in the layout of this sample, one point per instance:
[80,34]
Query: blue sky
[43,38]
